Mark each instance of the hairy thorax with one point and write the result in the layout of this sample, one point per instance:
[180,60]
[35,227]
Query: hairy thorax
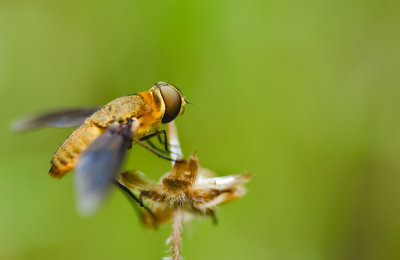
[142,106]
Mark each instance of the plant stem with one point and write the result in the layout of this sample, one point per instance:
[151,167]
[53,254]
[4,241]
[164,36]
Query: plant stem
[173,140]
[176,153]
[176,234]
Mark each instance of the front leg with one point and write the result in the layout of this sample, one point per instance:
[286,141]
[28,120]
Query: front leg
[158,134]
[138,141]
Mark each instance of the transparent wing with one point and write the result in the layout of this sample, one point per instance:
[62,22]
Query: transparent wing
[61,119]
[99,164]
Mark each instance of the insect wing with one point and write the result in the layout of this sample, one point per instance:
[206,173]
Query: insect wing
[60,119]
[98,165]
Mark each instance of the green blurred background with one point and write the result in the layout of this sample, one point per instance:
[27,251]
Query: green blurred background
[305,94]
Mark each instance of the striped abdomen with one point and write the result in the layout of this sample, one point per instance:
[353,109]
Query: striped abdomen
[67,154]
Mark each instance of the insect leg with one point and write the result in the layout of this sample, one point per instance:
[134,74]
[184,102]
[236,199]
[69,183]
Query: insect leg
[153,150]
[213,216]
[155,147]
[132,196]
[125,189]
[165,142]
[152,135]
[158,134]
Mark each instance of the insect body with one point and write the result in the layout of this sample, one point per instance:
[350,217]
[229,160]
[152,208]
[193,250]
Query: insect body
[161,104]
[97,147]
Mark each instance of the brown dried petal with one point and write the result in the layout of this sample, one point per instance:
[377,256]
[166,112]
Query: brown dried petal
[135,180]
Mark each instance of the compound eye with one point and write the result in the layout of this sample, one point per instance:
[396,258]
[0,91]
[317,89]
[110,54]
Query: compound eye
[173,102]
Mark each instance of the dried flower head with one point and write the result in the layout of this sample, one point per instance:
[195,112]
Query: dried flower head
[186,191]
[188,187]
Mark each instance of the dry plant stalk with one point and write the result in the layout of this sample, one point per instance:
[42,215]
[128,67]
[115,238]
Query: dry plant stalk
[176,234]
[188,190]
[176,152]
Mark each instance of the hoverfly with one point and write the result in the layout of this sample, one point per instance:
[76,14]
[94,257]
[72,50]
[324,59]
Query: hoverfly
[97,147]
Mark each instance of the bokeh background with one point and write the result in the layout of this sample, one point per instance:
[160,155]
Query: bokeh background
[305,94]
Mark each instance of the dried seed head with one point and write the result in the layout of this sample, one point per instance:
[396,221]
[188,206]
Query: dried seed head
[182,176]
[189,187]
